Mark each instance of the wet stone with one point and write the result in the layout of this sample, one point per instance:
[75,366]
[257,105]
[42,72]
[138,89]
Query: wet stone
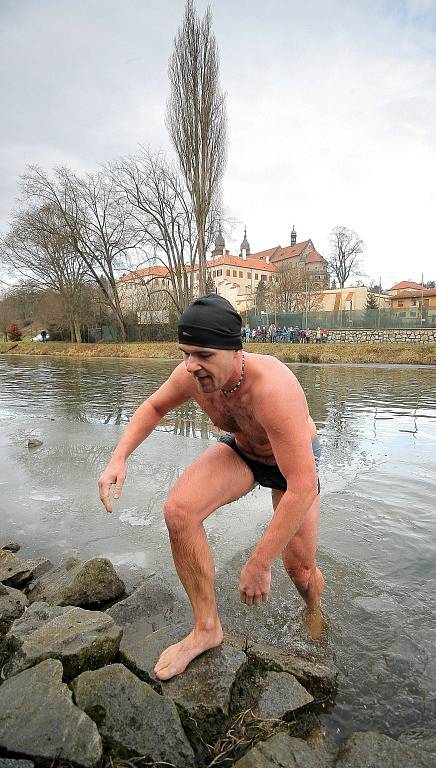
[206,684]
[140,651]
[152,602]
[280,694]
[39,720]
[12,604]
[15,572]
[282,751]
[78,583]
[80,639]
[12,546]
[320,679]
[133,720]
[375,750]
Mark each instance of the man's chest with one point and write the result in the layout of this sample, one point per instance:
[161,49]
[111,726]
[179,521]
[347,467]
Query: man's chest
[235,416]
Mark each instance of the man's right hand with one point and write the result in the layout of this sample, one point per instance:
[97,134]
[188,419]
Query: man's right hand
[114,474]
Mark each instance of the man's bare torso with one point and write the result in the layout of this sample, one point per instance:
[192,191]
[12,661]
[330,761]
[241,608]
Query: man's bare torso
[235,413]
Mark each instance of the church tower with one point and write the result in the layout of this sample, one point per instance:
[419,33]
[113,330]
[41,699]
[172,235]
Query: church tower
[220,245]
[245,246]
[293,235]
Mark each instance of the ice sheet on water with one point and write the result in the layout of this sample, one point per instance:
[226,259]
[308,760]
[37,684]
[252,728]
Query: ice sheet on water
[134,516]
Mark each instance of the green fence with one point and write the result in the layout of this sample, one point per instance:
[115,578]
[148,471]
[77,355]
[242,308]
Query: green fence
[355,318]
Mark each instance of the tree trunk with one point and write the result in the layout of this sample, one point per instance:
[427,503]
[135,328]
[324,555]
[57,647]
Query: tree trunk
[77,330]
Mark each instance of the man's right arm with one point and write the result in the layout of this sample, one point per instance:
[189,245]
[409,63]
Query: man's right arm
[176,390]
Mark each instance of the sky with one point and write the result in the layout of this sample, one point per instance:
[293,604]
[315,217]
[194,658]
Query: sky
[331,111]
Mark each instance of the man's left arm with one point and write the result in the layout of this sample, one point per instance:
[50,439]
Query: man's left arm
[284,416]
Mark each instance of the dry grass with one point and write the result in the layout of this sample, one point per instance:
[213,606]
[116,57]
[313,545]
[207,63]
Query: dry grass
[400,354]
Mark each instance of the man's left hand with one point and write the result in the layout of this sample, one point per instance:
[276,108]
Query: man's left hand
[255,583]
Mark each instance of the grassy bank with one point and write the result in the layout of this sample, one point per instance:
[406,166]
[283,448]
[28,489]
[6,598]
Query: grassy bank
[400,354]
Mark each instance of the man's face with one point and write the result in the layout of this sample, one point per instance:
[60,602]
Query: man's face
[211,368]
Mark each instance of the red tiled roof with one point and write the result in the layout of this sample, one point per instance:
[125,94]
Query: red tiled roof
[314,256]
[404,284]
[265,254]
[236,261]
[414,294]
[291,250]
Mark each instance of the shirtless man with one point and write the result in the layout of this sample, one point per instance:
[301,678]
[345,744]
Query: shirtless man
[271,440]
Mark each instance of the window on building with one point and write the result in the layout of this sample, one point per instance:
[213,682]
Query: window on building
[227,272]
[219,272]
[248,275]
[263,277]
[412,313]
[256,276]
[235,273]
[413,302]
[241,274]
[402,314]
[400,303]
[214,273]
[270,278]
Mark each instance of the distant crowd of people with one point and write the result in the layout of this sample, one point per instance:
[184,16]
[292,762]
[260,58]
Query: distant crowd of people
[274,334]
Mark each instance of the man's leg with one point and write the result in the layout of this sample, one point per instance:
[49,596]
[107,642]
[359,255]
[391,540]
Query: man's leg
[299,559]
[218,477]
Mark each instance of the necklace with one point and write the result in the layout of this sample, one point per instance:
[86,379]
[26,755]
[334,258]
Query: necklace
[229,391]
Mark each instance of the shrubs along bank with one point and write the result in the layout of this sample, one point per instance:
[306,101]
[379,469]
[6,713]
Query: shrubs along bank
[78,688]
[333,352]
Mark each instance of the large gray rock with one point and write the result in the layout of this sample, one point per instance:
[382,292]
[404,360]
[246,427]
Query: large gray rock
[39,720]
[282,751]
[80,639]
[205,686]
[375,750]
[280,693]
[7,762]
[78,583]
[12,604]
[133,720]
[15,572]
[154,604]
[318,678]
[140,648]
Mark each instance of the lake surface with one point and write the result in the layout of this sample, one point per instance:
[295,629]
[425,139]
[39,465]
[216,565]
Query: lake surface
[377,427]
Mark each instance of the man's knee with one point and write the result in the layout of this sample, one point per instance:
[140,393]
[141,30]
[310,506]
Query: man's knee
[298,572]
[176,514]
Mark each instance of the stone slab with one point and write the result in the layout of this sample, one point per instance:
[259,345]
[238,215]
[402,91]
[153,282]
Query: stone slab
[39,720]
[280,694]
[86,583]
[12,604]
[132,718]
[80,639]
[282,751]
[375,750]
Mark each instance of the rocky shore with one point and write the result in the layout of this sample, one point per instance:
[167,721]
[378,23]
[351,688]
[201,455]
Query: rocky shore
[77,684]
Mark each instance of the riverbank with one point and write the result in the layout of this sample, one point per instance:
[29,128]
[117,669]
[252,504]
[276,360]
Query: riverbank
[399,354]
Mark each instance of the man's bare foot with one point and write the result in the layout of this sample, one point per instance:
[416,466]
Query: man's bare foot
[314,622]
[176,658]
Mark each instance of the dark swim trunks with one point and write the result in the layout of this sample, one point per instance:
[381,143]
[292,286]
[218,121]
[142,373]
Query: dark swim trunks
[268,475]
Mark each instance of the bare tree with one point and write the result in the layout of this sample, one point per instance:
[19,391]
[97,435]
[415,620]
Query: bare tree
[296,289]
[163,215]
[97,219]
[345,250]
[38,249]
[196,118]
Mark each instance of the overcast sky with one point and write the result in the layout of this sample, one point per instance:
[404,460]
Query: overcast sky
[331,109]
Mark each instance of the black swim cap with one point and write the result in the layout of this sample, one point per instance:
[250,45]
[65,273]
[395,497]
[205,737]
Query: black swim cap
[212,322]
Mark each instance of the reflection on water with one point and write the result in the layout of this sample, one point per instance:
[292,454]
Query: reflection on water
[377,427]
